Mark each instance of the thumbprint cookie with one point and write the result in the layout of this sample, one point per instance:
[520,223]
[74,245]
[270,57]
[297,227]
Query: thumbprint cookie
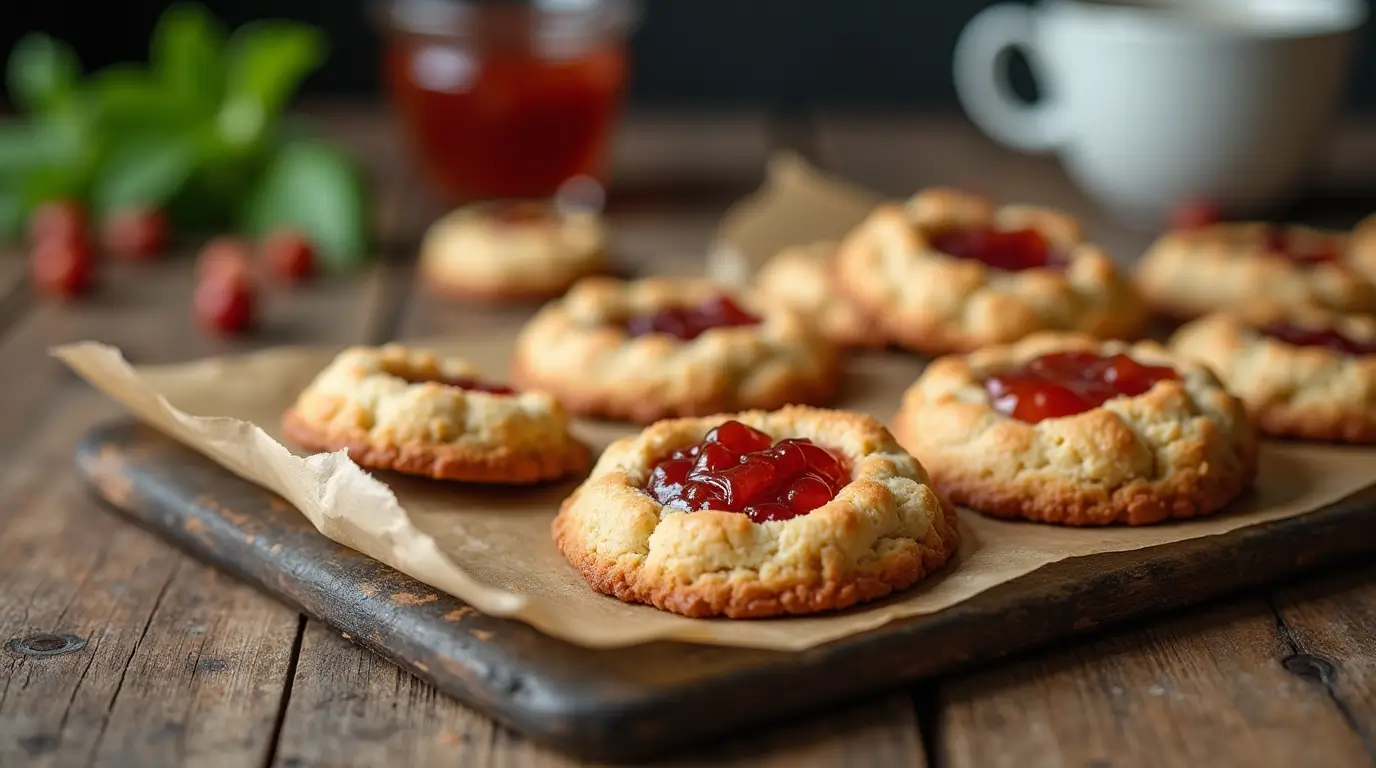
[1072,430]
[948,272]
[512,250]
[756,514]
[659,347]
[1193,271]
[411,411]
[1303,372]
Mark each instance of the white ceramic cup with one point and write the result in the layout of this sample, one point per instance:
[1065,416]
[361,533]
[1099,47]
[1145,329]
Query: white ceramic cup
[1150,104]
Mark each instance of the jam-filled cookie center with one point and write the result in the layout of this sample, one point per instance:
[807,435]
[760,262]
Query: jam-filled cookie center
[470,384]
[1329,338]
[1067,383]
[688,323]
[1301,250]
[1011,250]
[737,468]
[515,213]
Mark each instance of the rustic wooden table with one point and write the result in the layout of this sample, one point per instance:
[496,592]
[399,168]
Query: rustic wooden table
[182,664]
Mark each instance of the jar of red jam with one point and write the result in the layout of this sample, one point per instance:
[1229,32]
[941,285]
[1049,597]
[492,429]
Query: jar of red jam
[501,98]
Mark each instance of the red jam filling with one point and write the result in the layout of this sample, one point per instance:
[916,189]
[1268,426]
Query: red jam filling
[1195,214]
[741,469]
[1011,250]
[1318,337]
[1067,383]
[517,212]
[688,323]
[1301,251]
[472,385]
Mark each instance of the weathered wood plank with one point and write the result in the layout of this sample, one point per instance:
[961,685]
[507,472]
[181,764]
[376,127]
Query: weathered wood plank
[183,663]
[1329,625]
[351,707]
[882,732]
[1208,688]
[135,695]
[67,568]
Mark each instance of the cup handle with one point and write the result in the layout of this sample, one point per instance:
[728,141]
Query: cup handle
[981,79]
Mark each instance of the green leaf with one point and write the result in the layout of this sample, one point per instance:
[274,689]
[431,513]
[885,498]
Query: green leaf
[143,172]
[42,72]
[186,55]
[11,214]
[318,190]
[266,62]
[128,100]
[21,147]
[51,182]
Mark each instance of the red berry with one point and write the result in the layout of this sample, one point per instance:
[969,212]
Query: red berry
[1195,214]
[223,302]
[59,219]
[61,267]
[289,255]
[223,254]
[134,234]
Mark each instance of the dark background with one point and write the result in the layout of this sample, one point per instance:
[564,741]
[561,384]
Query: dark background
[781,54]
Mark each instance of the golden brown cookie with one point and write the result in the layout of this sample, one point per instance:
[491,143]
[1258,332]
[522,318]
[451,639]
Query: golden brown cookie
[411,411]
[880,526]
[1302,371]
[1191,272]
[1070,430]
[648,349]
[803,278]
[947,271]
[512,250]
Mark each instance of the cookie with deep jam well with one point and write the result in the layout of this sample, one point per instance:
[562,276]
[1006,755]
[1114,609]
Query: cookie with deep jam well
[756,514]
[1303,372]
[512,250]
[1067,429]
[803,277]
[412,411]
[948,271]
[660,347]
[1190,272]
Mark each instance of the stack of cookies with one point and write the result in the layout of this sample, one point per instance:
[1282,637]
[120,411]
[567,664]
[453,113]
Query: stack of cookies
[743,497]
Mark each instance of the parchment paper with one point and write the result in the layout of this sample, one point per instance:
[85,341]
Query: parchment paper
[491,546]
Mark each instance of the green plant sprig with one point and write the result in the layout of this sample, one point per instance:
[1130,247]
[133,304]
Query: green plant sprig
[200,132]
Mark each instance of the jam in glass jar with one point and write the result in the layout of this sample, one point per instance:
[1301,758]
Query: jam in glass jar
[506,99]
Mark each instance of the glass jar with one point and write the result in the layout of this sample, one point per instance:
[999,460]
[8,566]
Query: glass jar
[507,99]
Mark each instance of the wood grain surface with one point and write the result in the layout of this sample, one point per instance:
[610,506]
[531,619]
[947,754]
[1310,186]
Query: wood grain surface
[644,701]
[67,566]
